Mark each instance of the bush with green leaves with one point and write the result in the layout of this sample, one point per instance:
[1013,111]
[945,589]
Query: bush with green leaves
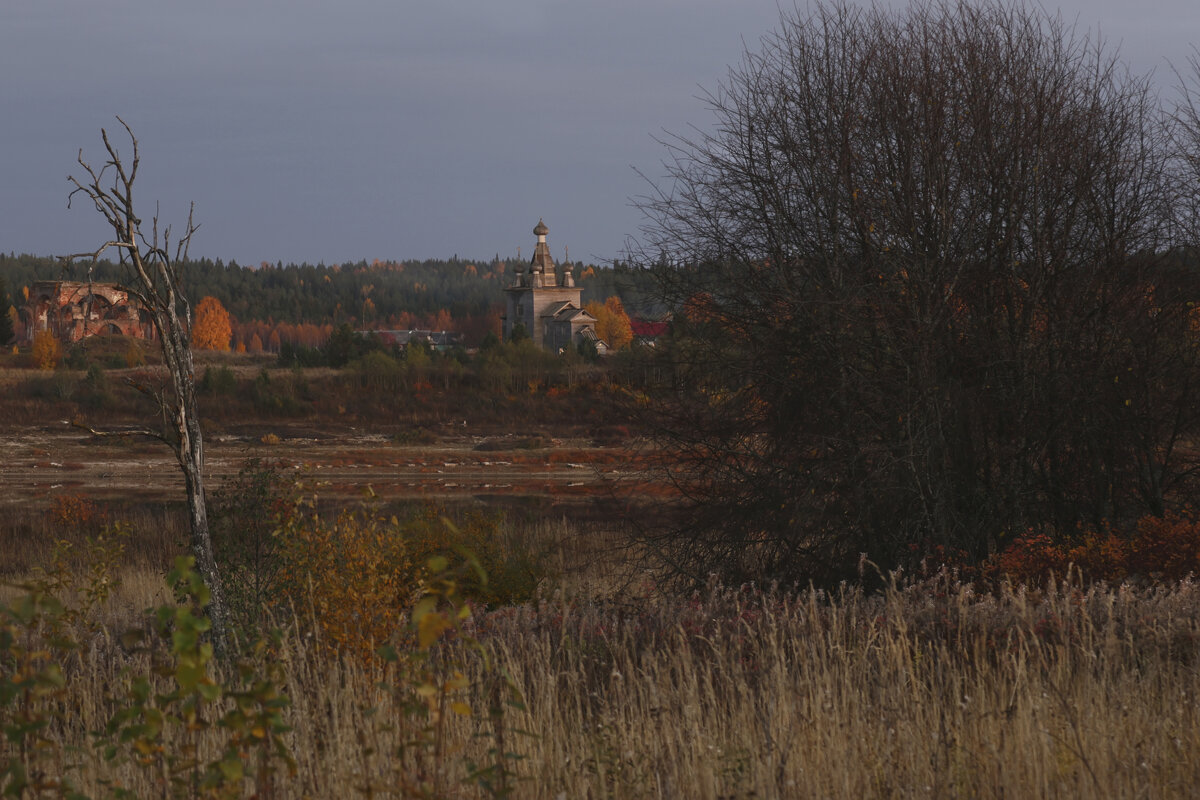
[6,320]
[94,392]
[515,565]
[178,724]
[378,372]
[245,514]
[163,721]
[218,381]
[275,395]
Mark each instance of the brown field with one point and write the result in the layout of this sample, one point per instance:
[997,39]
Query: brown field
[451,444]
[38,464]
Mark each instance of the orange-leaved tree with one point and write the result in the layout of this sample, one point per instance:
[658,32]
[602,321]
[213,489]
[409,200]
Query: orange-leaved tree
[212,329]
[612,323]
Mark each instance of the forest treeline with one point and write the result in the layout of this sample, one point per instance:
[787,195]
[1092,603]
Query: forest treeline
[453,294]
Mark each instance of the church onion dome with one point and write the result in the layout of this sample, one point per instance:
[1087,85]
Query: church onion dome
[541,229]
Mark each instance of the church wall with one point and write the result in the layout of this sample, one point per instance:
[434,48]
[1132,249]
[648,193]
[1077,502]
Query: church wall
[536,291]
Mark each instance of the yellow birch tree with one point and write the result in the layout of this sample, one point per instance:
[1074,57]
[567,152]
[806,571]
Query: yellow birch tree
[612,323]
[212,329]
[46,350]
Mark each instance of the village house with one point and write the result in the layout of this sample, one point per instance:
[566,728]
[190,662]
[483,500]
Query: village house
[546,305]
[647,332]
[74,310]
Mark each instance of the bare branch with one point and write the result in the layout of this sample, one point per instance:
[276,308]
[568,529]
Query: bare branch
[77,422]
[153,279]
[910,262]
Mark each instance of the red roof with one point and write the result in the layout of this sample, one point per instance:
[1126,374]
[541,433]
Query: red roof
[647,329]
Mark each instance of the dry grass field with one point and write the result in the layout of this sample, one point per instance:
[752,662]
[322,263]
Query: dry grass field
[929,689]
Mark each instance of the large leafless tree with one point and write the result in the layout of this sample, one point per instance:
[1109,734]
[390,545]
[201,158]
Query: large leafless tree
[153,278]
[923,266]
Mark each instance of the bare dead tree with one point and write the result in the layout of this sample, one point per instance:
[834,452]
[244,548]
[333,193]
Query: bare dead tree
[154,280]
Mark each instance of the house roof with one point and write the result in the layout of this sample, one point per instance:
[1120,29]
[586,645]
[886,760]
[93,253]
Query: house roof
[647,329]
[576,313]
[589,333]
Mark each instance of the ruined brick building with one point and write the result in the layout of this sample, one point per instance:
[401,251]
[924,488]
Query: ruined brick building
[75,310]
[547,306]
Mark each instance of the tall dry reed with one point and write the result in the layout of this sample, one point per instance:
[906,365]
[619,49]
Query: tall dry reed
[928,689]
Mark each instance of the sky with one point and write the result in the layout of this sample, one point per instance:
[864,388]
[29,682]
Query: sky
[340,130]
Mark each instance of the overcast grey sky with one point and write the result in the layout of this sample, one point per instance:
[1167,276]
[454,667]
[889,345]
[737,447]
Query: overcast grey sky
[338,130]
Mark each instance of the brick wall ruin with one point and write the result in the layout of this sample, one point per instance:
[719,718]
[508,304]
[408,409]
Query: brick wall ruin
[73,311]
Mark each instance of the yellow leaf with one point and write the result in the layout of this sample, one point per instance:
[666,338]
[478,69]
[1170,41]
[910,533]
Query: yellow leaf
[423,608]
[430,628]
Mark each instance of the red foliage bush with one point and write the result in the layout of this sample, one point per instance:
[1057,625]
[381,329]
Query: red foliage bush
[1167,545]
[74,512]
[1166,548]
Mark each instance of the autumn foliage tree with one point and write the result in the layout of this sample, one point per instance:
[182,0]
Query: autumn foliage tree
[212,329]
[47,350]
[612,323]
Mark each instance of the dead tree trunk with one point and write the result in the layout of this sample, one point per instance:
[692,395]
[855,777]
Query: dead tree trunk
[153,278]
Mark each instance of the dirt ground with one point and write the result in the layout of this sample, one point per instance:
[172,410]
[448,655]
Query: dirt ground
[38,464]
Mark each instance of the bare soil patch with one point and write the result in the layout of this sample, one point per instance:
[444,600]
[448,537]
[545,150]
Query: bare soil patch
[38,464]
